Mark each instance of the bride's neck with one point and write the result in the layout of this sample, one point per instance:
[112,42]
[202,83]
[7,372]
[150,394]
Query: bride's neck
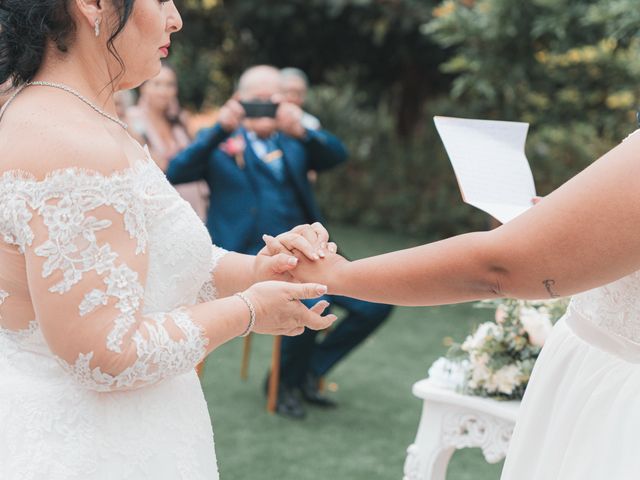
[84,71]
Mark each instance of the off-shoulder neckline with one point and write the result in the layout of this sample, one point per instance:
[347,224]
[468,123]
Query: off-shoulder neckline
[136,166]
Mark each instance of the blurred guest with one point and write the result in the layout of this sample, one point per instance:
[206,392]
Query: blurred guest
[256,169]
[161,124]
[124,100]
[295,84]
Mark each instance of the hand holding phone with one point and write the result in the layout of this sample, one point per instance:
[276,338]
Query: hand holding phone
[230,115]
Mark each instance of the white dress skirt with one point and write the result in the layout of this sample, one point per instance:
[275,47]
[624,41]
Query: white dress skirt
[580,416]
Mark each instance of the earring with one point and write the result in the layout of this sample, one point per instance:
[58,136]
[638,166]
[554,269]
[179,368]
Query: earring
[97,27]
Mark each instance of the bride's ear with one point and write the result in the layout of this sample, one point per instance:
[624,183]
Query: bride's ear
[91,11]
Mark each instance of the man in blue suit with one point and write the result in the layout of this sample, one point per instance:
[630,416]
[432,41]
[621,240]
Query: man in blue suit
[257,170]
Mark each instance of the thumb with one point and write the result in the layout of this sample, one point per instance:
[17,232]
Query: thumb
[303,291]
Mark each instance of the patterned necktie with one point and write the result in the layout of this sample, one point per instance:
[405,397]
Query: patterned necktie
[272,157]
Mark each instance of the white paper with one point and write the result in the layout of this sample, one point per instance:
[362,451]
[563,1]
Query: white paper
[490,164]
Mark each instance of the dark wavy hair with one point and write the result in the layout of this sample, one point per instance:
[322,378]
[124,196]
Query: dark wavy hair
[27,25]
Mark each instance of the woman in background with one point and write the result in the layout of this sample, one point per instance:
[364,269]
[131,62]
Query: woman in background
[162,124]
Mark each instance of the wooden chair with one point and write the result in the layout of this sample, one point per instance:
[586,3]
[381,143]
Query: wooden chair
[274,378]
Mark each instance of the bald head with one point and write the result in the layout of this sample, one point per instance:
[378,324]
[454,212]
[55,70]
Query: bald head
[261,81]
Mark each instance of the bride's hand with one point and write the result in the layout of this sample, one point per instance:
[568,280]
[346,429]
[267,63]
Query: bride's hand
[276,260]
[280,312]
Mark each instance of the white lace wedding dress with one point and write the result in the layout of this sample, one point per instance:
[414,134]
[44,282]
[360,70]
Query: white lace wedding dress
[97,353]
[580,417]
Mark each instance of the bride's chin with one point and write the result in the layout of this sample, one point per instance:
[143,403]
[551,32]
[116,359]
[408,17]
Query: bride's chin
[133,79]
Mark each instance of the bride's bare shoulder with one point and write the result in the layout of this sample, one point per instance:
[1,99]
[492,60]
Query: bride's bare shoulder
[39,134]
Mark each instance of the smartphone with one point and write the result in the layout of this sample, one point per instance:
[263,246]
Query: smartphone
[259,109]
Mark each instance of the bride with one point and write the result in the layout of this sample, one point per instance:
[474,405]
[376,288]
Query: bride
[580,416]
[108,279]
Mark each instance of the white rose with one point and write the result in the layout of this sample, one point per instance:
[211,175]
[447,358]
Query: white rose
[447,374]
[501,314]
[506,379]
[480,373]
[477,339]
[537,325]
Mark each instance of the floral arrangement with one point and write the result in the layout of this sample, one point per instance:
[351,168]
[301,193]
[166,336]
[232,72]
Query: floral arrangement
[497,359]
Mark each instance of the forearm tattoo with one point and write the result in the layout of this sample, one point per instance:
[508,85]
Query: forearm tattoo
[548,284]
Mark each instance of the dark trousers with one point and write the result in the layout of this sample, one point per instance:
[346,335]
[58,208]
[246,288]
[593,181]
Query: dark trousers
[302,354]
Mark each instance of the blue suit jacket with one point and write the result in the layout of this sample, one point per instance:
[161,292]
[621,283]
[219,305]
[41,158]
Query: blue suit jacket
[233,203]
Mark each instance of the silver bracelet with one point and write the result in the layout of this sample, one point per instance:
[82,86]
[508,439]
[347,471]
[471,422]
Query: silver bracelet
[252,312]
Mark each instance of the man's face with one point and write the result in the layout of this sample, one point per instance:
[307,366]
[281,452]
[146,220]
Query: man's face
[294,90]
[266,89]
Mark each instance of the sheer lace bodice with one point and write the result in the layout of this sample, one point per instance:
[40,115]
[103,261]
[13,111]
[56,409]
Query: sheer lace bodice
[99,268]
[614,307]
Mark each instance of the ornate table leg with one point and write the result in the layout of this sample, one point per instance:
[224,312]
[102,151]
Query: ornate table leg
[446,428]
[428,458]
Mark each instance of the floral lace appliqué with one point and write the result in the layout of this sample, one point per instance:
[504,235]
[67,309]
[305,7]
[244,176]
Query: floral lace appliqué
[66,201]
[209,291]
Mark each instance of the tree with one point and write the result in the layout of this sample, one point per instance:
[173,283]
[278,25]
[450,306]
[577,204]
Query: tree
[378,42]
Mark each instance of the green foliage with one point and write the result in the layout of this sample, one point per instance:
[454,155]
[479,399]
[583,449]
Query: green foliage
[378,41]
[389,182]
[569,68]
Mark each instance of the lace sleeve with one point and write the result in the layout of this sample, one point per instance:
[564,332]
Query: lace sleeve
[209,291]
[84,240]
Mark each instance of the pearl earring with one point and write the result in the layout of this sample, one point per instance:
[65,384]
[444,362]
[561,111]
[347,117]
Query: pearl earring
[97,27]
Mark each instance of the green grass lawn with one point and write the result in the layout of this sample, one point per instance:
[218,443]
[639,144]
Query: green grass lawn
[366,437]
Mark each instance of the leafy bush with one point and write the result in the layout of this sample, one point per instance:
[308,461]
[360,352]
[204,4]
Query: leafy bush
[569,68]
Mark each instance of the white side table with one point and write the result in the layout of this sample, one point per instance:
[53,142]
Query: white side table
[451,421]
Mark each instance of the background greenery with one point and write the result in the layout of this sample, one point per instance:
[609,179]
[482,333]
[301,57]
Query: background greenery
[382,68]
[367,436]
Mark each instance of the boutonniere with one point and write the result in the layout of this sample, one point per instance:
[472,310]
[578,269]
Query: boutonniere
[234,147]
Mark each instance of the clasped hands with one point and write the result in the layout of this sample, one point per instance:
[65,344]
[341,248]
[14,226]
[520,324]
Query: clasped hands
[294,266]
[304,254]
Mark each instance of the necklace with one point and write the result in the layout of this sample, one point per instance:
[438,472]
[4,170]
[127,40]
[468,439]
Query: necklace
[70,90]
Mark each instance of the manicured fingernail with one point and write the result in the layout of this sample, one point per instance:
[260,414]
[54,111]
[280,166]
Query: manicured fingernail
[322,289]
[321,253]
[315,256]
[292,261]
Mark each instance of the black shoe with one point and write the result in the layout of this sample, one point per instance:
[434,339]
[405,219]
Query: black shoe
[288,403]
[310,391]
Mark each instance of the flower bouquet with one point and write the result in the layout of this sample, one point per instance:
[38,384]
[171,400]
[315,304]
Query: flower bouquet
[497,359]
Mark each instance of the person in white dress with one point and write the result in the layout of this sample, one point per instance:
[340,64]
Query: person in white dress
[580,416]
[110,289]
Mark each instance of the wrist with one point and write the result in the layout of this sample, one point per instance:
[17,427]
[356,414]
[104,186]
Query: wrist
[257,273]
[339,277]
[250,323]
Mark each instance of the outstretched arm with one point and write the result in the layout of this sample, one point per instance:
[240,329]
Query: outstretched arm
[585,234]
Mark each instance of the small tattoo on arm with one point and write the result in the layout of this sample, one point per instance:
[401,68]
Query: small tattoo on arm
[548,284]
